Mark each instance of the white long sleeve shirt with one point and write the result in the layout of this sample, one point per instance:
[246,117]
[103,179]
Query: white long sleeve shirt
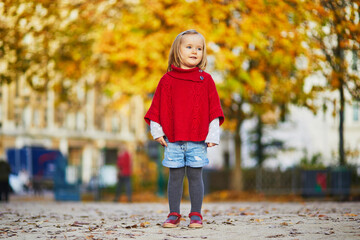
[212,137]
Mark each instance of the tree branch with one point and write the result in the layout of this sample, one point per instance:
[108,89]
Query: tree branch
[355,92]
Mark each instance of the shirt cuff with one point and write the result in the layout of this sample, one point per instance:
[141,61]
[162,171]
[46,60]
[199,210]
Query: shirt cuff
[214,132]
[156,130]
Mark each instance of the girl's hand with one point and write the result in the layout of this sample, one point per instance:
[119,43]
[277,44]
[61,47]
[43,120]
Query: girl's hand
[161,140]
[211,144]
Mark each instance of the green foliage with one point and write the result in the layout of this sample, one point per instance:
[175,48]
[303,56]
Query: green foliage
[312,163]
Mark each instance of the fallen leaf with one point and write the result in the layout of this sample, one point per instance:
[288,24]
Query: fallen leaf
[144,224]
[39,223]
[246,213]
[78,224]
[212,222]
[329,232]
[350,215]
[231,214]
[276,236]
[294,232]
[92,228]
[228,223]
[133,226]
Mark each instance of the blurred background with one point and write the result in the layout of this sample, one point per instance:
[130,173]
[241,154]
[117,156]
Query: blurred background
[77,77]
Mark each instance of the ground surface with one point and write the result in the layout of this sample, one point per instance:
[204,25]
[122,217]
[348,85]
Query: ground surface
[230,220]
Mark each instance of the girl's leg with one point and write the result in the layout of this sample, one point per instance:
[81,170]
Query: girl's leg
[175,189]
[196,189]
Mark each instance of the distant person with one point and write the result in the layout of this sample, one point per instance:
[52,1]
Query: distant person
[5,171]
[24,179]
[184,117]
[37,185]
[124,174]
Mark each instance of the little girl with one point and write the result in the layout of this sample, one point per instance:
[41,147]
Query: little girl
[184,117]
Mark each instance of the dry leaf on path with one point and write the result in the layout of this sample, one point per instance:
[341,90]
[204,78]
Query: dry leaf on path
[247,213]
[350,215]
[144,224]
[276,236]
[79,224]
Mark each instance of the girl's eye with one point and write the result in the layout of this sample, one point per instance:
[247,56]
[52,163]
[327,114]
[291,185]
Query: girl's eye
[199,49]
[189,47]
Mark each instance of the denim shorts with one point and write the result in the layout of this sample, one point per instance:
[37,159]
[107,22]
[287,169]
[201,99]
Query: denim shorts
[181,154]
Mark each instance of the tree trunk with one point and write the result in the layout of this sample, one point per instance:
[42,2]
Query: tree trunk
[341,125]
[259,146]
[237,181]
[339,53]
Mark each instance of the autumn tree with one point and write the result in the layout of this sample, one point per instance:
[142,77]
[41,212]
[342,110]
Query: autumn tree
[255,51]
[50,43]
[260,58]
[29,42]
[134,50]
[334,31]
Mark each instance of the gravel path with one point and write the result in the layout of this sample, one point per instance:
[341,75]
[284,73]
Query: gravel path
[235,220]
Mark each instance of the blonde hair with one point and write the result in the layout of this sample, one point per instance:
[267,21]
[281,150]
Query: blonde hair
[174,55]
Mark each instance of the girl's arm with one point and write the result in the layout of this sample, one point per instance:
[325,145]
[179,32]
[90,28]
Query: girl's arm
[157,133]
[156,130]
[213,137]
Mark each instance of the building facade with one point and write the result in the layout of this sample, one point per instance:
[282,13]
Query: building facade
[87,129]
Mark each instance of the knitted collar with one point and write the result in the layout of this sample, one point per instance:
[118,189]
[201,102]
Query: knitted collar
[192,74]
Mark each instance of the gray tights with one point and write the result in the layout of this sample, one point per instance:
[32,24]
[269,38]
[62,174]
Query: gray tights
[175,189]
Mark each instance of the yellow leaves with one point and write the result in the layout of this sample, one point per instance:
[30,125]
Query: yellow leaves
[223,195]
[257,81]
[130,41]
[230,124]
[334,79]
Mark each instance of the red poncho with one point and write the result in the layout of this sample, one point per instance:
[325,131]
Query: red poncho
[184,104]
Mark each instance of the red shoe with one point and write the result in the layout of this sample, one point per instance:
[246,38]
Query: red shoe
[172,223]
[195,223]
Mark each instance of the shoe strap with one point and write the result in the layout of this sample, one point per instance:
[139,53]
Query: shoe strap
[195,214]
[174,214]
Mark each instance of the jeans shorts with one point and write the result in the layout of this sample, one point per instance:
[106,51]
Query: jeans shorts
[181,154]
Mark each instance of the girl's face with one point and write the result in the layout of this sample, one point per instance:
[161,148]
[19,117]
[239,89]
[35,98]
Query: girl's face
[191,51]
